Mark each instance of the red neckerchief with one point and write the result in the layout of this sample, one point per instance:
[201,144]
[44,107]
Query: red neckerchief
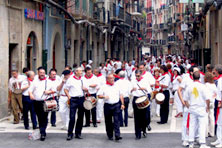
[121,78]
[164,73]
[197,81]
[76,77]
[151,66]
[175,76]
[134,68]
[156,77]
[99,75]
[107,83]
[89,76]
[84,65]
[216,78]
[30,79]
[52,79]
[202,73]
[139,79]
[144,73]
[71,73]
[116,76]
[123,69]
[192,64]
[42,79]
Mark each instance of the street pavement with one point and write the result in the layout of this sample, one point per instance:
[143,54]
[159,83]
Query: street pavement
[161,136]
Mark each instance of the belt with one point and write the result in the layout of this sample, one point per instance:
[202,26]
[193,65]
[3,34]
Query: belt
[79,97]
[112,104]
[63,95]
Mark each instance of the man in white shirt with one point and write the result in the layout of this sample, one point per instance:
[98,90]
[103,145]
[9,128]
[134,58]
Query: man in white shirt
[15,92]
[74,92]
[197,100]
[38,93]
[140,88]
[111,93]
[63,99]
[90,82]
[100,102]
[125,86]
[51,85]
[28,104]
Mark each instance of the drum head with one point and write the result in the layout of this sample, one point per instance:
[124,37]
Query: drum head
[140,99]
[87,105]
[160,97]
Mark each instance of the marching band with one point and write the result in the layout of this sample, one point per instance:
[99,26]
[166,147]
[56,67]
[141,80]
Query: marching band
[115,85]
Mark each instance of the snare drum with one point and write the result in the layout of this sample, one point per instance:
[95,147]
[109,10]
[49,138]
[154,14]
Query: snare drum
[50,105]
[153,94]
[90,103]
[160,98]
[142,102]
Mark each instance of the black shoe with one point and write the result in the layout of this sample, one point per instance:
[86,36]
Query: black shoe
[138,137]
[144,134]
[95,125]
[69,137]
[110,138]
[42,138]
[78,137]
[35,127]
[27,128]
[53,125]
[160,122]
[149,128]
[118,138]
[86,125]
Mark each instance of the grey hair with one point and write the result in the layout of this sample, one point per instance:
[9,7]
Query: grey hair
[122,74]
[78,68]
[30,73]
[218,68]
[138,72]
[98,69]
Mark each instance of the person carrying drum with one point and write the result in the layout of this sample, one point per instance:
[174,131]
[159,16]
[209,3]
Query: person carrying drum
[36,93]
[63,99]
[90,82]
[111,93]
[125,86]
[74,92]
[164,83]
[140,89]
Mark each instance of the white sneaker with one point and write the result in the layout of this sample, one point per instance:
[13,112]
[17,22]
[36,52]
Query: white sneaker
[191,145]
[185,143]
[219,146]
[204,146]
[215,143]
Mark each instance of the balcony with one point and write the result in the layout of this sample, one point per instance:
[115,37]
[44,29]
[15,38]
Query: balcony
[112,10]
[128,19]
[120,13]
[172,39]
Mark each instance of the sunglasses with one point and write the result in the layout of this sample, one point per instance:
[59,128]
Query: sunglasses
[137,75]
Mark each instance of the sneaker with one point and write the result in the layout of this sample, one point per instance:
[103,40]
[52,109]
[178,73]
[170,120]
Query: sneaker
[191,145]
[215,143]
[204,146]
[185,143]
[219,146]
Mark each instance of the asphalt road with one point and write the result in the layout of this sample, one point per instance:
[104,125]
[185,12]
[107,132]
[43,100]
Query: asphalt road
[58,140]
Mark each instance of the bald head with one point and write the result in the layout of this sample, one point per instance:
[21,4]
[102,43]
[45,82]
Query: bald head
[110,78]
[31,74]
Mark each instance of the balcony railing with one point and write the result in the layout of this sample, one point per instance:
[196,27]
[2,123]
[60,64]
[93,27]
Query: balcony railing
[120,12]
[128,19]
[171,38]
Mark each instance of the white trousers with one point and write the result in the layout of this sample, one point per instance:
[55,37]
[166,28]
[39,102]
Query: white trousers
[219,127]
[178,103]
[64,110]
[201,122]
[99,109]
[211,122]
[185,135]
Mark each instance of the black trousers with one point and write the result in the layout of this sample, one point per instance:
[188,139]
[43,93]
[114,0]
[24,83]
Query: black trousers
[164,108]
[148,116]
[92,111]
[76,103]
[42,116]
[28,105]
[140,119]
[53,113]
[111,113]
[125,120]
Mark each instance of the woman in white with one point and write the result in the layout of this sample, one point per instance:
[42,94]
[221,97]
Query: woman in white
[176,83]
[211,87]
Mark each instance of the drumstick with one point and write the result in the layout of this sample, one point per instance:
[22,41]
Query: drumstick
[142,90]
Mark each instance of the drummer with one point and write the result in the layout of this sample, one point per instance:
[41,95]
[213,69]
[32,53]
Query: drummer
[140,88]
[164,83]
[90,82]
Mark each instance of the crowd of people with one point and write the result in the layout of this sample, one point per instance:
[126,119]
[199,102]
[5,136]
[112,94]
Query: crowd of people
[117,84]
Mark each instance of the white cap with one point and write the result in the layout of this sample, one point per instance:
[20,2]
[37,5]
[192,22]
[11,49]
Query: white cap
[90,61]
[188,66]
[177,69]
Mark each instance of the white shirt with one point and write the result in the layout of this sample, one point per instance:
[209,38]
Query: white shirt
[143,84]
[197,94]
[101,81]
[219,88]
[109,68]
[211,87]
[103,71]
[165,80]
[37,88]
[26,83]
[129,69]
[90,81]
[52,86]
[125,86]
[113,92]
[16,83]
[176,83]
[74,85]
